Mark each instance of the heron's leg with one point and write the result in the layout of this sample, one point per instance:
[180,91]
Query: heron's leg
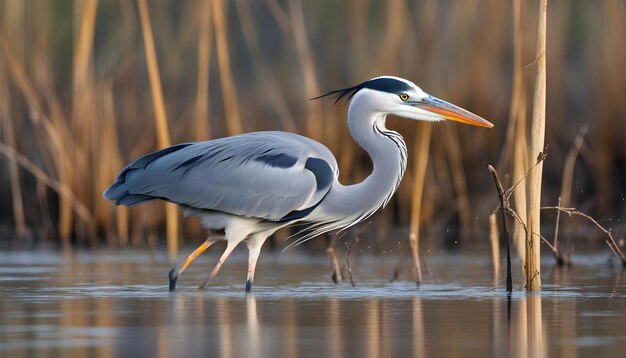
[178,269]
[254,247]
[230,246]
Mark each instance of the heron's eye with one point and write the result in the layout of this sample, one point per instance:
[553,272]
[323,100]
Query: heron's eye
[404,96]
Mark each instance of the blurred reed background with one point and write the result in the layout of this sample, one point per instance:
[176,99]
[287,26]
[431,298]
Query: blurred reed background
[80,84]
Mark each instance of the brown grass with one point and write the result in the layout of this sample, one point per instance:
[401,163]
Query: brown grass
[81,102]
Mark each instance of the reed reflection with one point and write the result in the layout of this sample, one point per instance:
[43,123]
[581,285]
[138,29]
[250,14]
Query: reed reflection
[253,343]
[525,328]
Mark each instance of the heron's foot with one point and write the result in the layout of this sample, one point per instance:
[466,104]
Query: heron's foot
[204,285]
[248,285]
[173,276]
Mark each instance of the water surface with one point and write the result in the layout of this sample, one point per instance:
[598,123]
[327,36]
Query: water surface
[117,304]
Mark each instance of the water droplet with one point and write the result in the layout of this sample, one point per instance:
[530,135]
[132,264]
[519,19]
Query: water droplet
[447,230]
[455,242]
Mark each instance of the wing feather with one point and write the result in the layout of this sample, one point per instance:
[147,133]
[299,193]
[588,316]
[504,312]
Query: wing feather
[267,175]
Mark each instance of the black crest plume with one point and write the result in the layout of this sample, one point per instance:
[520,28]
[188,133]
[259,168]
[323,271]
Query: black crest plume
[383,84]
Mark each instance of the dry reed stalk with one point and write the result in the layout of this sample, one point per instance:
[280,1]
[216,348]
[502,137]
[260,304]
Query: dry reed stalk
[61,189]
[459,182]
[265,76]
[391,44]
[517,120]
[422,145]
[537,137]
[314,109]
[520,160]
[357,34]
[6,120]
[202,130]
[281,17]
[51,131]
[82,52]
[568,167]
[109,161]
[229,91]
[83,124]
[494,239]
[160,117]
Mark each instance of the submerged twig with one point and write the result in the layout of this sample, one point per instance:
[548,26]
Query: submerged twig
[348,267]
[610,241]
[399,265]
[332,256]
[504,205]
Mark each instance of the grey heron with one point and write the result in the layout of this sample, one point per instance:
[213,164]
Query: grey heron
[252,184]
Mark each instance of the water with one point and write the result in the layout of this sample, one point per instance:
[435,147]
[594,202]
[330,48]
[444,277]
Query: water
[117,304]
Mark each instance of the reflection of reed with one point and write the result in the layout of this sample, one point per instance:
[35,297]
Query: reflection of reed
[419,342]
[222,309]
[372,312]
[333,334]
[253,341]
[536,347]
[526,329]
[290,348]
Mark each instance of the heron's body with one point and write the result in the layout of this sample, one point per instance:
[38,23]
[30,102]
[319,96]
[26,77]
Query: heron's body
[252,184]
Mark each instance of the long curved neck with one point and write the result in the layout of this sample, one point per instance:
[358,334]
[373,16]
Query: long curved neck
[388,153]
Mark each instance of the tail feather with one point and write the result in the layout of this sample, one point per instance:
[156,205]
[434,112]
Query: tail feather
[118,192]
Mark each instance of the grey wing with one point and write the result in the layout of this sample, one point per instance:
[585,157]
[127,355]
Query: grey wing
[269,175]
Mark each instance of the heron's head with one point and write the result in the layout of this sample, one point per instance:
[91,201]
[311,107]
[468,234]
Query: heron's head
[394,95]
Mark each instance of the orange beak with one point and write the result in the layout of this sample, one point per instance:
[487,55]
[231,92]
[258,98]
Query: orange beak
[452,112]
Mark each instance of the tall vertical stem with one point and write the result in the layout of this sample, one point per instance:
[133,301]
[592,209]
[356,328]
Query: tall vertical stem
[163,134]
[421,161]
[537,136]
[229,91]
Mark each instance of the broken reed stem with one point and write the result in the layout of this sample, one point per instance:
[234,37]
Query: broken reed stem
[537,138]
[504,205]
[349,268]
[568,167]
[160,116]
[495,245]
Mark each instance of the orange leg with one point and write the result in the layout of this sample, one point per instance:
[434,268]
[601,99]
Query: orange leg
[178,269]
[229,248]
